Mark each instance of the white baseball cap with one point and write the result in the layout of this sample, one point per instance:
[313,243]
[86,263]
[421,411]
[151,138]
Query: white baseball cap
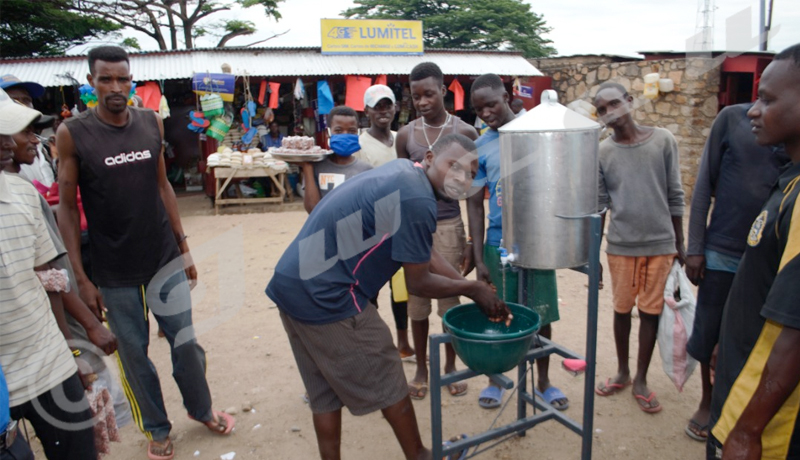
[14,117]
[375,93]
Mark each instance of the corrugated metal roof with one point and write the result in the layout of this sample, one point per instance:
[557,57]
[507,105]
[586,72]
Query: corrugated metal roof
[272,62]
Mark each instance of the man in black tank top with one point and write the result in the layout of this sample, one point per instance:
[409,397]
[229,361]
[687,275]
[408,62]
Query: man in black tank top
[114,153]
[413,142]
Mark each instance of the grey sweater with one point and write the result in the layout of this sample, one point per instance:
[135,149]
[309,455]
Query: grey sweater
[641,185]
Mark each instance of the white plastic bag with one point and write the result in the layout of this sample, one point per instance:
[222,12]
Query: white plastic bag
[675,327]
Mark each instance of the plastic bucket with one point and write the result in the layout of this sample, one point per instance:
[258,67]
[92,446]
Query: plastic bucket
[487,347]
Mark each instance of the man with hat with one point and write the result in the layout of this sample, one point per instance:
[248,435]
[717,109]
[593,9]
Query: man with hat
[42,169]
[377,143]
[377,149]
[41,376]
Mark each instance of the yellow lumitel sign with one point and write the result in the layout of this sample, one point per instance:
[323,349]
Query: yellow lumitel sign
[371,36]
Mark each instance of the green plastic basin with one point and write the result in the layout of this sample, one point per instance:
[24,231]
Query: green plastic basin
[487,347]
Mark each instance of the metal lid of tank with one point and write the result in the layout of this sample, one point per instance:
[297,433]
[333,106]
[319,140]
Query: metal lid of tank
[550,116]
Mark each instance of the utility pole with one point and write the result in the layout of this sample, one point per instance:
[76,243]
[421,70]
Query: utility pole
[763,24]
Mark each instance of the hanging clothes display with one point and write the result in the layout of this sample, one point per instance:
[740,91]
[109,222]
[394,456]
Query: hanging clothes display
[458,95]
[274,94]
[324,98]
[356,87]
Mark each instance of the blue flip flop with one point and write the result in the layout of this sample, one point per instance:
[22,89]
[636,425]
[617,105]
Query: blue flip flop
[495,394]
[551,394]
[460,455]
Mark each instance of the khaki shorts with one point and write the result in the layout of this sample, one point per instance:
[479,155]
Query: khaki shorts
[639,281]
[449,240]
[351,363]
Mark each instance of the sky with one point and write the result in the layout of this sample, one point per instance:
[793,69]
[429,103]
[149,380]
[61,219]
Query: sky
[621,27]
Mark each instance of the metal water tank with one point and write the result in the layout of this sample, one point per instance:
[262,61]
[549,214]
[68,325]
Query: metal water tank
[549,170]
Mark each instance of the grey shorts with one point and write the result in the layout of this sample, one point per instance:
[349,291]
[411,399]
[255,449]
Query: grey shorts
[449,241]
[351,363]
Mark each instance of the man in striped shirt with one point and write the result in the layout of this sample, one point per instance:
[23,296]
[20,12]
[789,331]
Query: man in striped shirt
[41,373]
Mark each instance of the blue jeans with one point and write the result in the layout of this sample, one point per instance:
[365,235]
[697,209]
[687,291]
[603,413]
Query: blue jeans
[128,319]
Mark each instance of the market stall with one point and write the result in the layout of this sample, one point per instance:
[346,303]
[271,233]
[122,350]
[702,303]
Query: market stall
[293,87]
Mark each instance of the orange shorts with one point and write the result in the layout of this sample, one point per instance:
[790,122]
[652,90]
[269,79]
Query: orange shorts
[639,281]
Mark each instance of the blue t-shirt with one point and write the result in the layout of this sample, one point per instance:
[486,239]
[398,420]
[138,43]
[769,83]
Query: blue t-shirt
[354,241]
[269,141]
[4,411]
[489,175]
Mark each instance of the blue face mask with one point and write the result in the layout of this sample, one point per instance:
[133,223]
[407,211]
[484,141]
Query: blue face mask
[345,144]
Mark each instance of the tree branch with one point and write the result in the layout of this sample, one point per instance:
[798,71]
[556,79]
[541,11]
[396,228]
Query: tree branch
[267,39]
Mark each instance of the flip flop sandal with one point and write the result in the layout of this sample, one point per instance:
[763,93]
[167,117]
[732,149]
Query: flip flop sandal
[454,386]
[198,119]
[553,394]
[611,388]
[696,434]
[167,447]
[460,455]
[574,366]
[230,422]
[420,390]
[493,394]
[649,410]
[248,136]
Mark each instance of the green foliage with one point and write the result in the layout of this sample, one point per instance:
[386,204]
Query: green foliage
[270,6]
[236,25]
[45,27]
[167,19]
[131,43]
[466,24]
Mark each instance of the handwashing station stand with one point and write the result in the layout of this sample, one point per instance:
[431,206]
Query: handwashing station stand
[549,178]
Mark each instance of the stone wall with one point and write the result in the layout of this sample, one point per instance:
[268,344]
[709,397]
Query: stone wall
[687,112]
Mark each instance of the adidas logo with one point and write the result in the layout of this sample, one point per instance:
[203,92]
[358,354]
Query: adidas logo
[128,158]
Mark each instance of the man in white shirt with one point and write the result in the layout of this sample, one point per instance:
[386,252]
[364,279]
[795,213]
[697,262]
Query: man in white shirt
[42,376]
[518,108]
[377,143]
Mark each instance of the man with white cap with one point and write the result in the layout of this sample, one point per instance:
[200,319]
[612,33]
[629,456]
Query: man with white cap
[377,149]
[39,369]
[377,143]
[24,92]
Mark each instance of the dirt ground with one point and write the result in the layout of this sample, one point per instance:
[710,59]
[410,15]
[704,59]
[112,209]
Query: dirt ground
[250,362]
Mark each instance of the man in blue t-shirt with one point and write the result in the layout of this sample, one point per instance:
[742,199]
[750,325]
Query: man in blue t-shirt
[350,246]
[490,100]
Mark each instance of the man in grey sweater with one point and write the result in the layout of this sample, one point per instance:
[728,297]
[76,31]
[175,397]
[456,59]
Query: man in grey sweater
[640,183]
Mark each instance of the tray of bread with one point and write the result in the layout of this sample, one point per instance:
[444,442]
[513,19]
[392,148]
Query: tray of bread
[299,149]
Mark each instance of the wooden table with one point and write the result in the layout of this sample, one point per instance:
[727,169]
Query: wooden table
[228,174]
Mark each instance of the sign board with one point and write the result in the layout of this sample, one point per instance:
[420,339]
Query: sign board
[524,91]
[221,83]
[371,36]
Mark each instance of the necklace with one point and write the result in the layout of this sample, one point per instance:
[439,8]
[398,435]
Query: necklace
[425,133]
